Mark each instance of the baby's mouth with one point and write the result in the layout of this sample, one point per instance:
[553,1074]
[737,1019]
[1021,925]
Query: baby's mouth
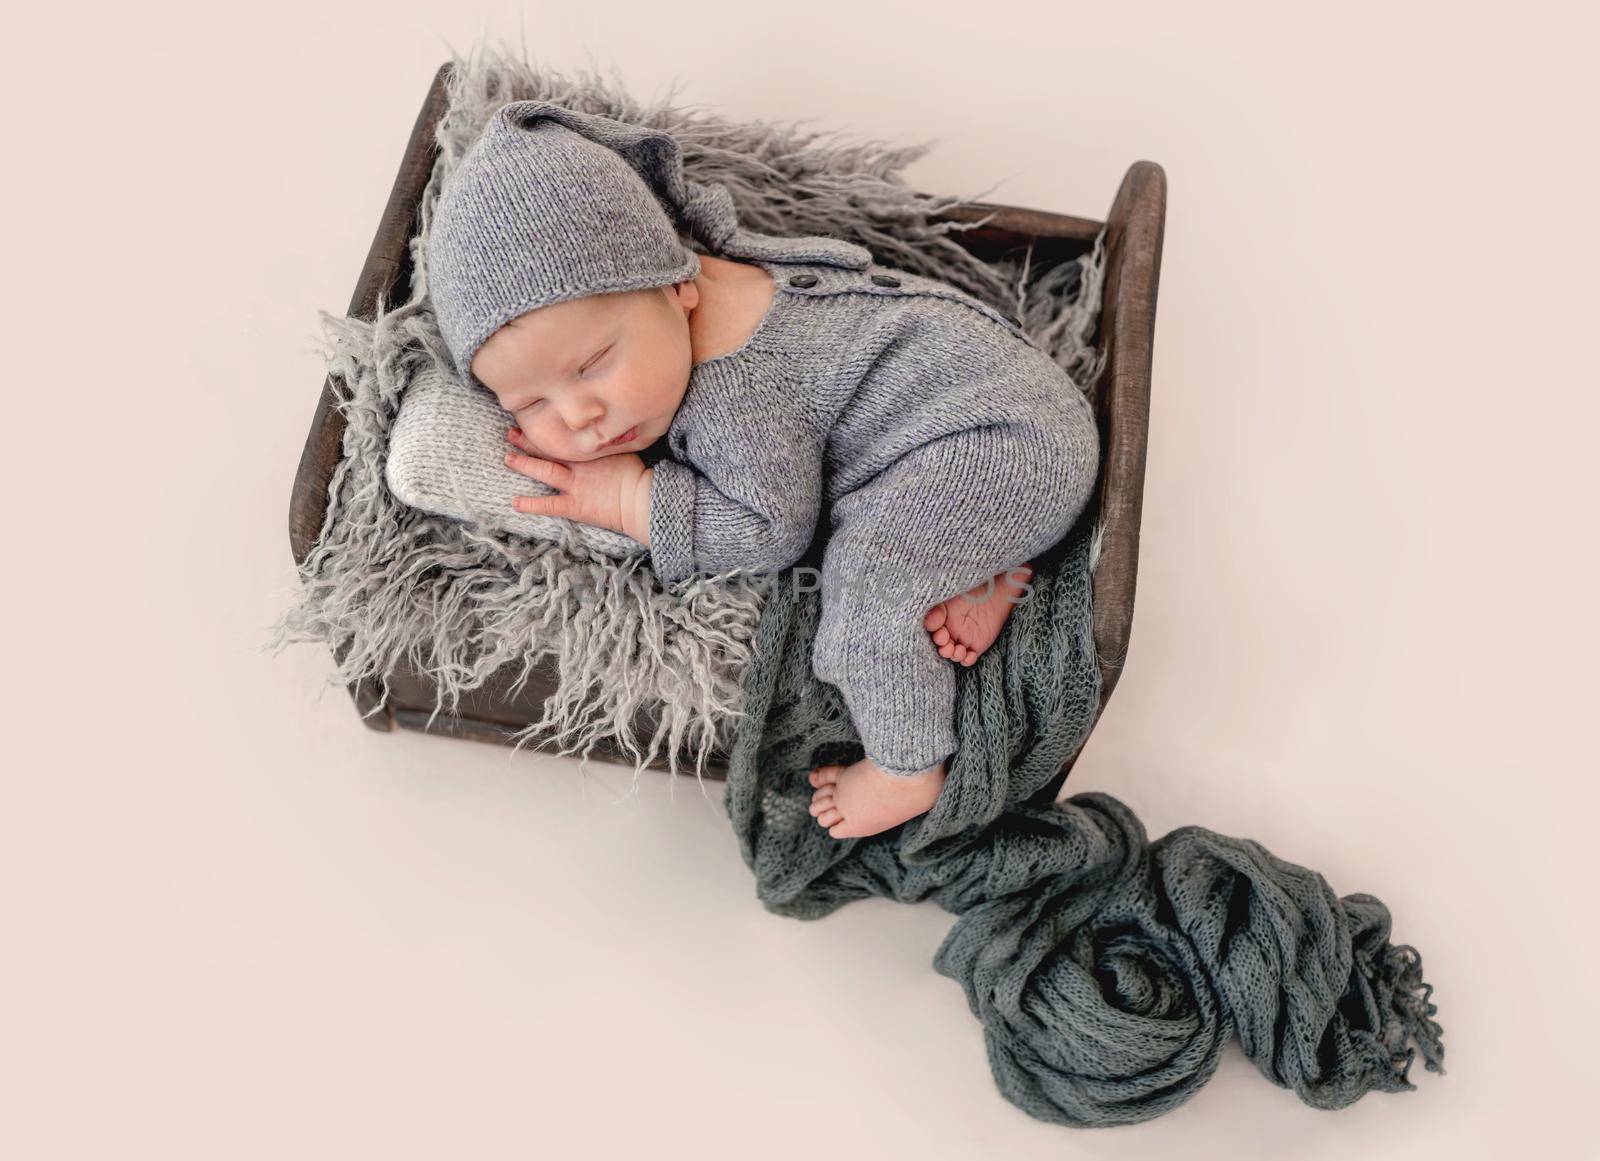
[623,438]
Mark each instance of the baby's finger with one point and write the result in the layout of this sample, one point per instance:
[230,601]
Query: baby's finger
[550,472]
[541,505]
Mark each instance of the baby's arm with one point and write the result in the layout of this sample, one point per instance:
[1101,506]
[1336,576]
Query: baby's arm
[636,515]
[751,512]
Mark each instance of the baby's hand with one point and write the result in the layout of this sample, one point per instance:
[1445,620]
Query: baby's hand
[597,492]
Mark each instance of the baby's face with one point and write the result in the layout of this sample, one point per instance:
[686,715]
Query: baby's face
[579,374]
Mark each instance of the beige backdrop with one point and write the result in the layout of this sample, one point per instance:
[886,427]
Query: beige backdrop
[240,925]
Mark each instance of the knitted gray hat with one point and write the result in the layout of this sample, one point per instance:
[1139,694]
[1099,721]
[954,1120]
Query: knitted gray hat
[551,204]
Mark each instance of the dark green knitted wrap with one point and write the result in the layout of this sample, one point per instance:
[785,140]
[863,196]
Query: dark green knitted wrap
[1108,971]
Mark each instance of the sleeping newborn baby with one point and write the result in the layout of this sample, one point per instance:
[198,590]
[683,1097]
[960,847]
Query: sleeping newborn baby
[802,389]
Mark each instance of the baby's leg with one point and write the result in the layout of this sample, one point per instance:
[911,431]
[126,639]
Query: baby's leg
[921,530]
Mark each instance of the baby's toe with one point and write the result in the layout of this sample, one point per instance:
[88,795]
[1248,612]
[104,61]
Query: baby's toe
[935,618]
[820,801]
[824,776]
[942,636]
[830,816]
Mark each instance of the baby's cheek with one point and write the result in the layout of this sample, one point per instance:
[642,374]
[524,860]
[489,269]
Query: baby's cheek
[536,445]
[550,449]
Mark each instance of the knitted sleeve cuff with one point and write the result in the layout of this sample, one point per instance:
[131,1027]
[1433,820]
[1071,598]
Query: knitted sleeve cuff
[672,491]
[912,773]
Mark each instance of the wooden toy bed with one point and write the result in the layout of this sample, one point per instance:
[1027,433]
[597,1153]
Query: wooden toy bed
[1121,398]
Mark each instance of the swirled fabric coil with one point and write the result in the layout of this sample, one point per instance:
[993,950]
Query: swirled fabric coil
[1108,971]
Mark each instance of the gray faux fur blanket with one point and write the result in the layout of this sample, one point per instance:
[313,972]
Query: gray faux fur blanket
[387,583]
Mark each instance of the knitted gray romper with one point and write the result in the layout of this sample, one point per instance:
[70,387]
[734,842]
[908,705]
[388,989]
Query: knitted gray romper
[942,445]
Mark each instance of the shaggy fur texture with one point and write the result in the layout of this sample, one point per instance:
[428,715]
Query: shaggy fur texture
[388,584]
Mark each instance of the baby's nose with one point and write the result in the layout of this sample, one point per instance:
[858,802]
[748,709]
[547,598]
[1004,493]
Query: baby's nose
[584,417]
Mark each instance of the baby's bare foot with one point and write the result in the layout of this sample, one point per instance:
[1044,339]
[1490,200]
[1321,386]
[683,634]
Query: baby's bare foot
[860,799]
[964,626]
